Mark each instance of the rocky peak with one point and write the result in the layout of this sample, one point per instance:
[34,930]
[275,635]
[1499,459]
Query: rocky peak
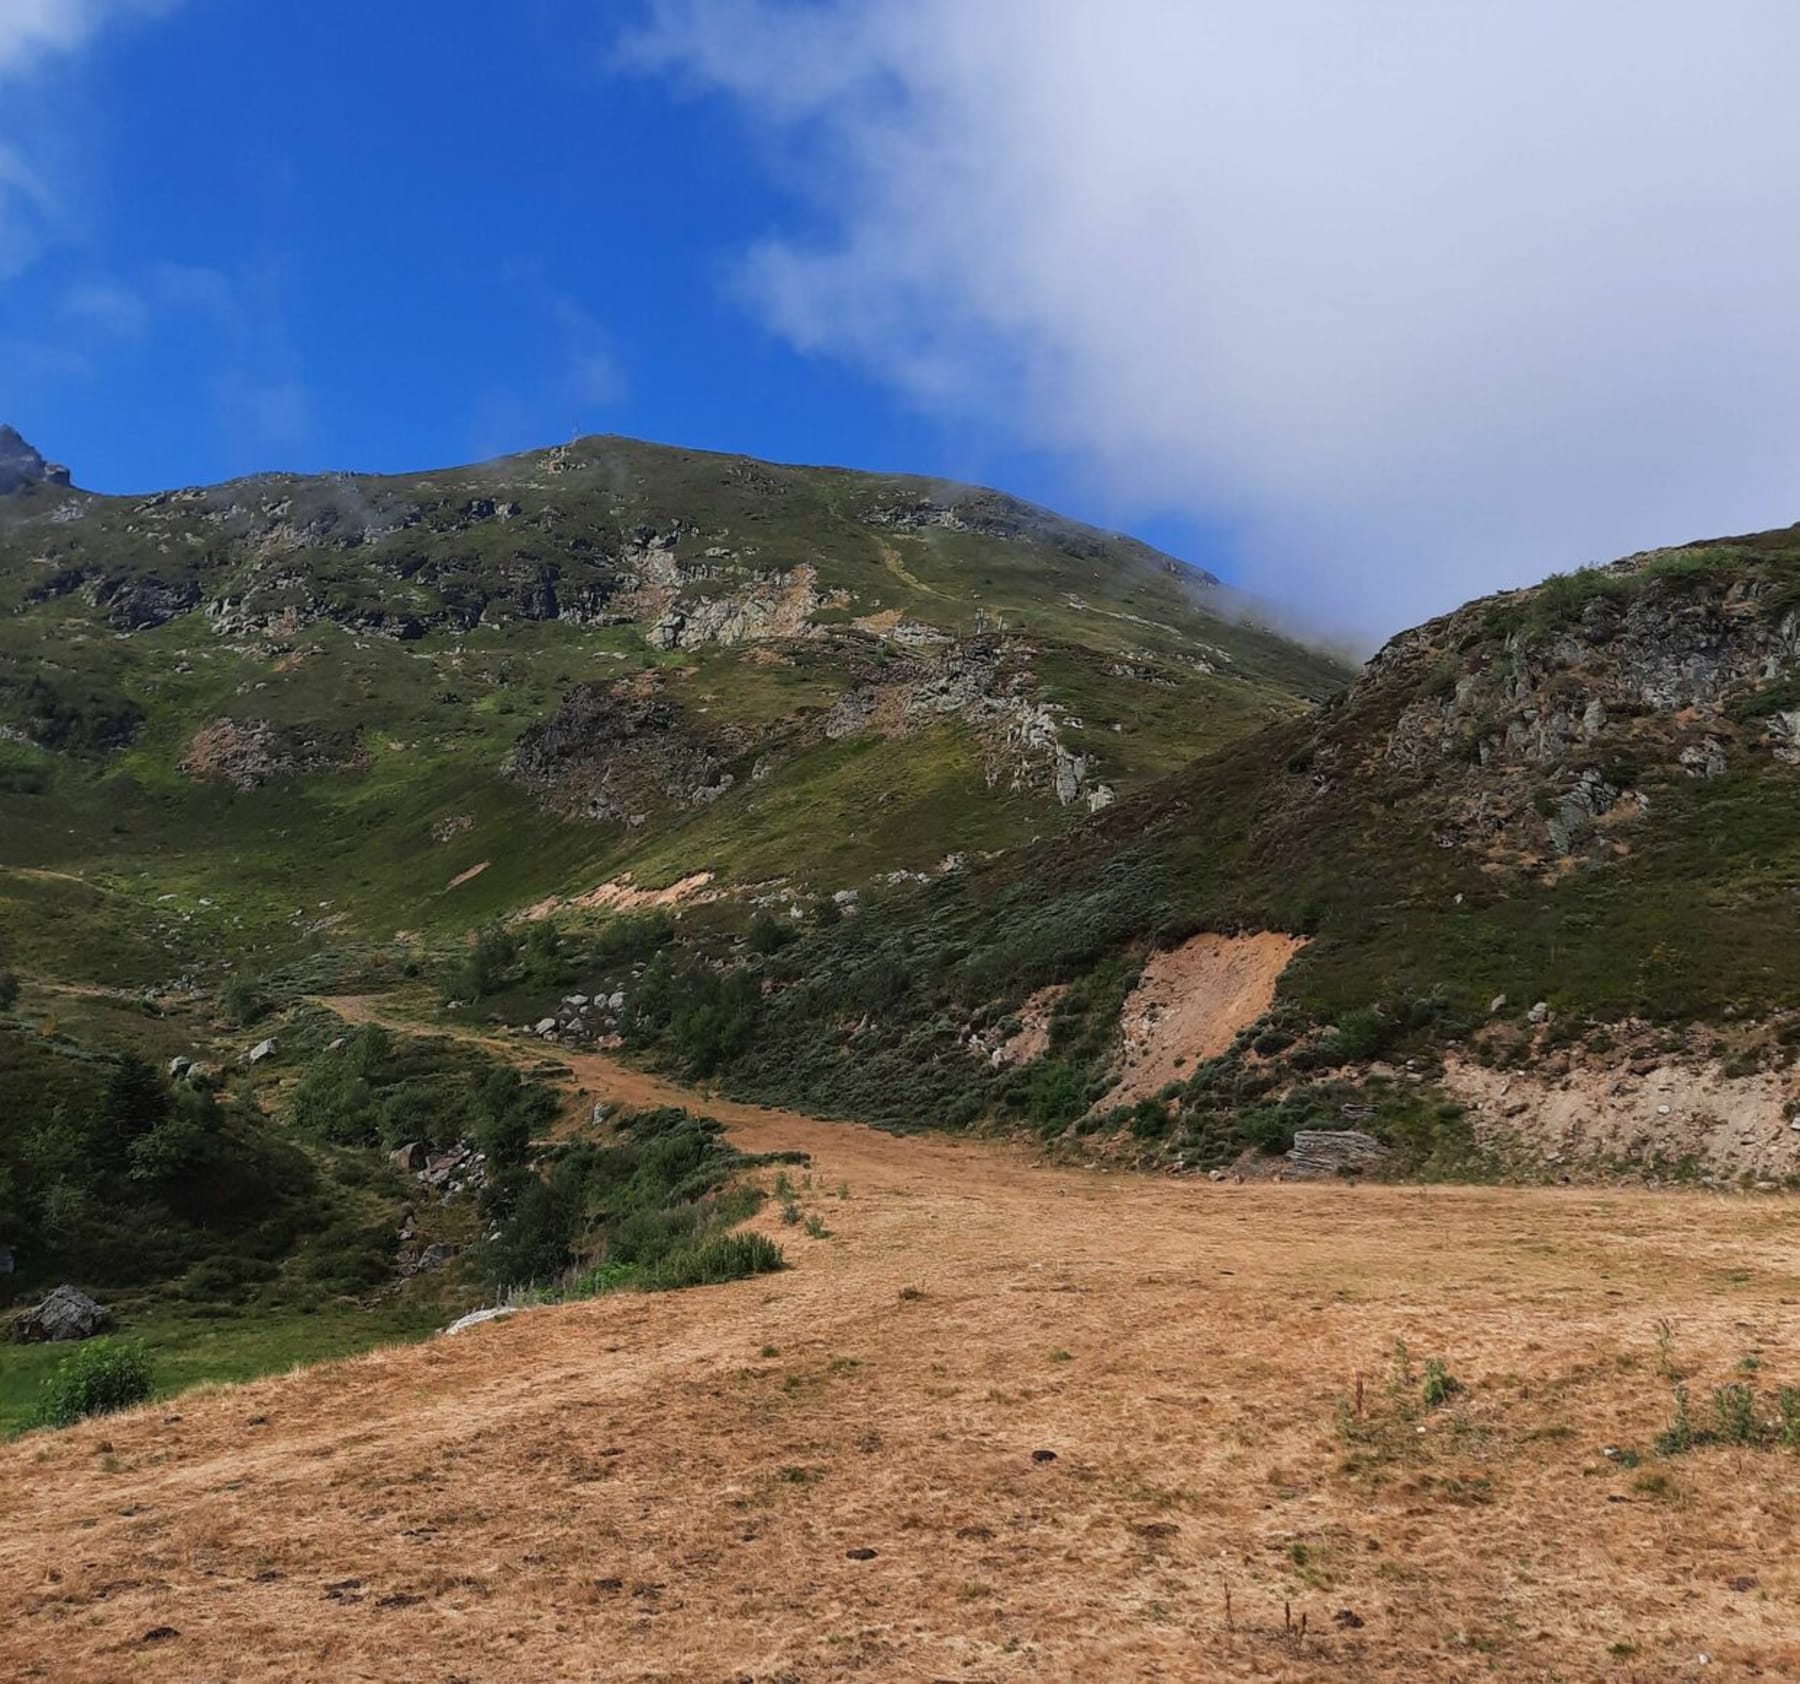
[22,465]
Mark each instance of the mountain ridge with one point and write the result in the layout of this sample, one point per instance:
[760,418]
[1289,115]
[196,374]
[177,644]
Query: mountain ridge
[743,634]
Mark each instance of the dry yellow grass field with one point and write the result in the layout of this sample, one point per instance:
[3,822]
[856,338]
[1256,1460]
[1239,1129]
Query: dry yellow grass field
[687,1486]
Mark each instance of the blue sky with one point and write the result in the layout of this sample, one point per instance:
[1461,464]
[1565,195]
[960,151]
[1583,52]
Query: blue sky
[1370,306]
[390,236]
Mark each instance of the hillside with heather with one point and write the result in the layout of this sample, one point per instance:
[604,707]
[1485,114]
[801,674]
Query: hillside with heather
[237,719]
[478,731]
[501,896]
[1535,872]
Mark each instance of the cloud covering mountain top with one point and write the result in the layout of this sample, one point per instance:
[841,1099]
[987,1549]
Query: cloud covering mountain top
[1421,297]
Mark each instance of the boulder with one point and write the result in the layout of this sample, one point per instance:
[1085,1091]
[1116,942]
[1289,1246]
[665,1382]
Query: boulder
[264,1049]
[66,1314]
[410,1157]
[1320,1153]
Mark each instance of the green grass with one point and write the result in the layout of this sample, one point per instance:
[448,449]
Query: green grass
[714,1260]
[186,1352]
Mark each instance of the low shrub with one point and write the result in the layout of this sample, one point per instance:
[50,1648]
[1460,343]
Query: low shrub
[720,1257]
[95,1379]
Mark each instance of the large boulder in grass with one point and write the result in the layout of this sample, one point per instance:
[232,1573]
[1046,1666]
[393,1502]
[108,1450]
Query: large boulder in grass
[1319,1153]
[67,1313]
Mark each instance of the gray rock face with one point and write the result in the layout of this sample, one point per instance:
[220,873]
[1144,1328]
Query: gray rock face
[21,465]
[1538,742]
[1321,1153]
[66,1314]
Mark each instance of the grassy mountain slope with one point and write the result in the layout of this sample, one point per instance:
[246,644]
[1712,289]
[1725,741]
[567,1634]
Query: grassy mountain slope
[267,736]
[1583,798]
[249,718]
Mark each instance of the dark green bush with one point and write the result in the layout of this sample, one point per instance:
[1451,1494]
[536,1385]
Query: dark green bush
[1149,1119]
[507,1112]
[663,1185]
[1056,1097]
[244,1002]
[633,938]
[488,968]
[546,962]
[94,1379]
[720,1257]
[768,934]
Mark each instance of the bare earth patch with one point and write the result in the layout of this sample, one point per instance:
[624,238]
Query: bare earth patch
[463,876]
[1189,1004]
[623,895]
[1032,1038]
[1680,1110]
[1009,1422]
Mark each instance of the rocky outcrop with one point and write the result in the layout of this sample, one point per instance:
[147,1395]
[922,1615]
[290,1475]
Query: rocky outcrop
[995,515]
[67,1313]
[1535,728]
[1321,1154]
[251,752]
[714,599]
[21,465]
[136,604]
[986,683]
[611,752]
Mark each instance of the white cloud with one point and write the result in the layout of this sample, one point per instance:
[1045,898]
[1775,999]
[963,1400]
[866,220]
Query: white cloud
[592,375]
[32,31]
[1423,296]
[28,213]
[107,307]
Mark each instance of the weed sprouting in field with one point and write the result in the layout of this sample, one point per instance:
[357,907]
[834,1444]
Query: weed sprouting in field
[1439,1385]
[1678,1437]
[1401,1378]
[1787,1414]
[1738,1420]
[1665,1349]
[1734,1414]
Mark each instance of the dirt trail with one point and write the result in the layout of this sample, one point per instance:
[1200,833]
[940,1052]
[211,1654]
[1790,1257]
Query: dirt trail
[891,559]
[669,1487]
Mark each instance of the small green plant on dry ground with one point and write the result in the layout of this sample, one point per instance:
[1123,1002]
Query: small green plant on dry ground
[1739,1415]
[95,1379]
[1379,1428]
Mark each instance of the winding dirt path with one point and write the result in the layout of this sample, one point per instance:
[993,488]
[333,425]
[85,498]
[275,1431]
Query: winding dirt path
[684,1487]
